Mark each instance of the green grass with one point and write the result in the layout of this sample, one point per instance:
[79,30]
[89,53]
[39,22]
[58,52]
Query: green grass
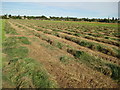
[12,48]
[22,71]
[91,45]
[47,46]
[85,23]
[9,30]
[115,71]
[77,34]
[10,42]
[1,37]
[100,24]
[107,68]
[98,64]
[116,34]
[59,45]
[19,52]
[85,43]
[117,39]
[65,59]
[91,61]
[19,70]
[27,73]
[24,40]
[3,28]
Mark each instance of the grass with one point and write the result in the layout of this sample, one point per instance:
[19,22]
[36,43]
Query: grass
[59,45]
[24,40]
[115,71]
[23,71]
[84,23]
[10,42]
[95,63]
[91,61]
[117,39]
[65,59]
[91,45]
[27,73]
[3,28]
[19,70]
[19,52]
[107,68]
[77,34]
[47,46]
[116,34]
[14,41]
[109,41]
[1,37]
[9,29]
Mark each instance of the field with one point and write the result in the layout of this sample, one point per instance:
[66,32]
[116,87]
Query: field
[0,55]
[60,54]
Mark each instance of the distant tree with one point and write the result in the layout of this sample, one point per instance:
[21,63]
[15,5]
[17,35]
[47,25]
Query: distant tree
[43,17]
[4,16]
[9,15]
[113,19]
[24,16]
[107,20]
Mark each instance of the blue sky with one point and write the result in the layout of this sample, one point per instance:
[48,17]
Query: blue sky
[71,9]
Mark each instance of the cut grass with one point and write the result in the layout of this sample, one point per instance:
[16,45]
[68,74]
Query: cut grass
[23,72]
[78,34]
[26,73]
[91,45]
[9,29]
[14,41]
[81,23]
[3,28]
[81,56]
[24,40]
[47,46]
[65,59]
[1,37]
[19,52]
[106,68]
[115,71]
[59,45]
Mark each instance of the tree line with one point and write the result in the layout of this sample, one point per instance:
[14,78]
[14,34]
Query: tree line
[107,20]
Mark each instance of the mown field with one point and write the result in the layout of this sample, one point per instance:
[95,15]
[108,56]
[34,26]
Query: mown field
[59,54]
[0,55]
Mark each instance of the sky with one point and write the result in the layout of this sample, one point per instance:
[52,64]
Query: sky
[64,9]
[60,0]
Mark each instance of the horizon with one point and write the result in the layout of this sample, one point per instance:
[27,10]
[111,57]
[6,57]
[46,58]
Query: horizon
[59,16]
[62,9]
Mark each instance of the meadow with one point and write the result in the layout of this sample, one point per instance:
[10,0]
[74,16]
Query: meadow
[60,54]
